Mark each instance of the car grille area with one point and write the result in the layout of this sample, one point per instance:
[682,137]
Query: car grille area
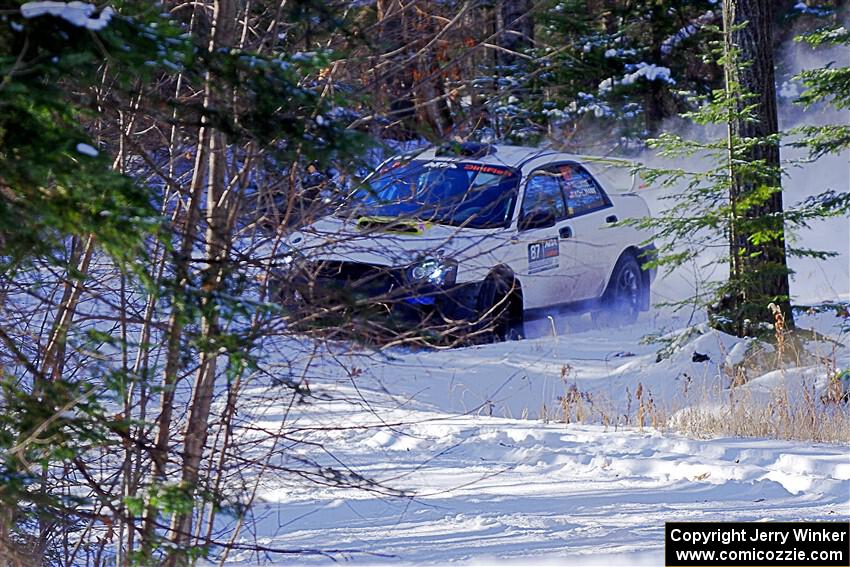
[329,278]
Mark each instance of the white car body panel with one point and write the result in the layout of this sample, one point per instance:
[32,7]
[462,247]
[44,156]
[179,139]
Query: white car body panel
[576,268]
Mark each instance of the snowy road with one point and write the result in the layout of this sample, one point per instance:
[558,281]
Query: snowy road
[494,488]
[485,488]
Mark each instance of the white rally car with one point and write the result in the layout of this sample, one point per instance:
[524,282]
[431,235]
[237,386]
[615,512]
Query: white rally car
[479,236]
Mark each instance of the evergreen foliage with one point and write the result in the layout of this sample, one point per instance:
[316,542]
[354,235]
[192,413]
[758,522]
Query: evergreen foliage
[827,85]
[608,78]
[701,216]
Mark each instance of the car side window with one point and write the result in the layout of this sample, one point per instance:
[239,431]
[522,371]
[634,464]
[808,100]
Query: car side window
[543,191]
[582,192]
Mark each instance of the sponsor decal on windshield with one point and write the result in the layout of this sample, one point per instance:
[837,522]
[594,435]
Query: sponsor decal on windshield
[392,165]
[486,169]
[543,255]
[440,165]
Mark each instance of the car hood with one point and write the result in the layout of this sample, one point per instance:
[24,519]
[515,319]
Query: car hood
[385,241]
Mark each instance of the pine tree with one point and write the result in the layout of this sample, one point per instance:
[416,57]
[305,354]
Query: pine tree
[617,70]
[733,203]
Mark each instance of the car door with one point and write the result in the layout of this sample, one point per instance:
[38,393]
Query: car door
[542,213]
[592,247]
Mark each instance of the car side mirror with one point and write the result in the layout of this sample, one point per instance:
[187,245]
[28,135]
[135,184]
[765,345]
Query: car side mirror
[538,218]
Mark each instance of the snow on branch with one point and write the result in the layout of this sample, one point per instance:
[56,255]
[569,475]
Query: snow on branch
[76,13]
[668,44]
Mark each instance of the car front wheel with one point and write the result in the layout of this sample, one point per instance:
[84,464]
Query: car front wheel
[499,314]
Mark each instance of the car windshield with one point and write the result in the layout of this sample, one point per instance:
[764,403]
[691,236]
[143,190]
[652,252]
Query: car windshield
[472,195]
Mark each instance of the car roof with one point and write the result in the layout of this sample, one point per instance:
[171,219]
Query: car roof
[497,154]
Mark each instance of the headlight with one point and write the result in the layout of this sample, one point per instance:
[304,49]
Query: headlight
[437,272]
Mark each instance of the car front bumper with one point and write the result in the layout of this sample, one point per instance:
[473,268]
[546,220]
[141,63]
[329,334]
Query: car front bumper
[353,288]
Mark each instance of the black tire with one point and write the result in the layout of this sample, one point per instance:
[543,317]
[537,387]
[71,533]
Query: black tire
[624,296]
[499,311]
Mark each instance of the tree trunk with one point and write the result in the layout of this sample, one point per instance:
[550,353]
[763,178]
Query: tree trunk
[217,240]
[516,27]
[393,82]
[758,270]
[429,92]
[174,341]
[54,354]
[657,93]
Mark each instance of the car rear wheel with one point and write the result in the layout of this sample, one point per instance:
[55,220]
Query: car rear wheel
[622,300]
[499,311]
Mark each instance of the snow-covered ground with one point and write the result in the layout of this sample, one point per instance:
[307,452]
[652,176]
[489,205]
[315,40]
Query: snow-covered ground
[472,461]
[491,489]
[475,454]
